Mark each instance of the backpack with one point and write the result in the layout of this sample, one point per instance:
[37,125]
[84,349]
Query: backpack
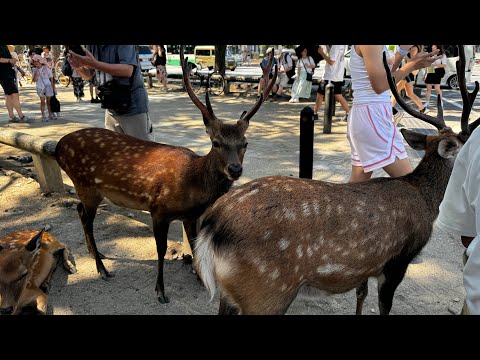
[54,104]
[290,72]
[66,68]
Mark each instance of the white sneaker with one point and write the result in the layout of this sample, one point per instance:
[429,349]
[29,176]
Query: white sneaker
[293,100]
[426,104]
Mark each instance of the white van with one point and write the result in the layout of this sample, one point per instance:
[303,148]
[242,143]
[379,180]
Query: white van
[450,79]
[145,56]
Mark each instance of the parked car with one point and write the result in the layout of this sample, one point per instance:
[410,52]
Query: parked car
[145,56]
[205,57]
[450,79]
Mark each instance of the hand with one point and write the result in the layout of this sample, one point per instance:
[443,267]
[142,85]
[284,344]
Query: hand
[423,59]
[13,61]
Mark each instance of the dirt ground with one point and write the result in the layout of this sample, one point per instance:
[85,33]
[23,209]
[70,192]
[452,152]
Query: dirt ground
[432,286]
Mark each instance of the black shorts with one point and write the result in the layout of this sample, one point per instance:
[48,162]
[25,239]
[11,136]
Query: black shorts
[337,86]
[9,85]
[435,78]
[409,78]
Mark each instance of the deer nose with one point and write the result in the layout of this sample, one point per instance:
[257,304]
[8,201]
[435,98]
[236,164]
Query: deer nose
[235,170]
[6,311]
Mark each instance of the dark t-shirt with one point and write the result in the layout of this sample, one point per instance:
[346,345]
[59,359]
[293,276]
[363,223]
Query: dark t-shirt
[159,59]
[123,54]
[6,69]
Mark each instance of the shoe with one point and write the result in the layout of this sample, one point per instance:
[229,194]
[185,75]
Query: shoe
[44,119]
[398,116]
[423,111]
[345,117]
[51,117]
[426,104]
[293,100]
[95,101]
[315,116]
[25,118]
[15,119]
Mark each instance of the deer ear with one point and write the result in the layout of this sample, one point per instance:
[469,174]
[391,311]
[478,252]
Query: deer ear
[34,245]
[448,148]
[415,140]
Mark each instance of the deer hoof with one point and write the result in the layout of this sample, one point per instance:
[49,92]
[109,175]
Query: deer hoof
[106,275]
[163,299]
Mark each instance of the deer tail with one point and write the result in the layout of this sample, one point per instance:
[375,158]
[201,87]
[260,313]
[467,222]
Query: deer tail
[205,260]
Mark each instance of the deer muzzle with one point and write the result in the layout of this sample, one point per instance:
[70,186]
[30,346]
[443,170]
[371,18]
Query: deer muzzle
[235,170]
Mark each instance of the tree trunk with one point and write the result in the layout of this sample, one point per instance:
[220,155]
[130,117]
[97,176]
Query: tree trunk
[56,51]
[220,51]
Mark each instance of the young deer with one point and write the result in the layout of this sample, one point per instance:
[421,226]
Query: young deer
[171,182]
[266,239]
[27,261]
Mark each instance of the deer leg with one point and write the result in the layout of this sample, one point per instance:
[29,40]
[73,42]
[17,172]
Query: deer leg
[160,231]
[226,308]
[191,230]
[362,292]
[86,216]
[393,274]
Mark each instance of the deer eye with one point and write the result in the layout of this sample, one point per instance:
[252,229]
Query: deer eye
[245,145]
[216,144]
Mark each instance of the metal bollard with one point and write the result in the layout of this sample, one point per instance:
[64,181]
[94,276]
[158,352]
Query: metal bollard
[329,104]
[306,143]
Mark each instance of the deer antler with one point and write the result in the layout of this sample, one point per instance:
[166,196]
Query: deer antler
[467,98]
[438,122]
[207,111]
[266,89]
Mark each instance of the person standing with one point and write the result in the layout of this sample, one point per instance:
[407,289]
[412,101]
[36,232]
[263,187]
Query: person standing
[334,70]
[160,63]
[460,214]
[8,83]
[375,141]
[286,64]
[435,73]
[302,87]
[119,62]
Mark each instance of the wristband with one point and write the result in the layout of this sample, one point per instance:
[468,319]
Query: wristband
[401,51]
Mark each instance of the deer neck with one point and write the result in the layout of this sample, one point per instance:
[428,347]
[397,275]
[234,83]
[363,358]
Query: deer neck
[214,183]
[431,178]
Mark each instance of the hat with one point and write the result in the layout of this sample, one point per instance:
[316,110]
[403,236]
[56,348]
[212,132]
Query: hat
[11,48]
[269,50]
[37,57]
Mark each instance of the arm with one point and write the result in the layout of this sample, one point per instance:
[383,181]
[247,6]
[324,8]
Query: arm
[441,65]
[373,57]
[84,65]
[7,60]
[325,57]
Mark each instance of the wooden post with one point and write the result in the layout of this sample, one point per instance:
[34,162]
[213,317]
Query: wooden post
[327,117]
[48,174]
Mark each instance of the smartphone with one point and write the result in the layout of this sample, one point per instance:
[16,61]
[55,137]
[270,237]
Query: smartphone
[77,49]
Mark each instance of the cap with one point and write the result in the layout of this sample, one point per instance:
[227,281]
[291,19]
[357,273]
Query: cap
[11,48]
[269,50]
[37,57]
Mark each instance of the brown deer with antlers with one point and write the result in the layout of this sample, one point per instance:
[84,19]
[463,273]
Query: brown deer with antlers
[171,182]
[266,239]
[27,261]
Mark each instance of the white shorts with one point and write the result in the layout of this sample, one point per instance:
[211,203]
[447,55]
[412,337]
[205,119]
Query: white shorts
[46,91]
[375,141]
[282,80]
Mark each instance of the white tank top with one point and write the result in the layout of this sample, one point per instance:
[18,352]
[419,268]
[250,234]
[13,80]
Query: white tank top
[362,89]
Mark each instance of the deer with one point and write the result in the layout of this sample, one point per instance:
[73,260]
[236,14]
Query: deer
[170,182]
[272,237]
[28,259]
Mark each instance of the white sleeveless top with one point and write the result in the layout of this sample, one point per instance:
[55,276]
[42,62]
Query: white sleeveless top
[362,89]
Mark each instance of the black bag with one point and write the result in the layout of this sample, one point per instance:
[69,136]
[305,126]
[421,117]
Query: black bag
[66,68]
[54,104]
[115,96]
[290,72]
[440,72]
[309,77]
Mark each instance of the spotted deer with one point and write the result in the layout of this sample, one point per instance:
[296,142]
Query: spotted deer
[27,261]
[171,182]
[263,241]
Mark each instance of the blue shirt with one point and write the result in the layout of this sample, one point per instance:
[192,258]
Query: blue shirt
[123,54]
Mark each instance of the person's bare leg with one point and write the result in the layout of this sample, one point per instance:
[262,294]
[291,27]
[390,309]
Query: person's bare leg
[400,87]
[358,175]
[343,102]
[13,100]
[42,105]
[318,103]
[399,168]
[49,107]
[438,91]
[411,95]
[279,91]
[428,93]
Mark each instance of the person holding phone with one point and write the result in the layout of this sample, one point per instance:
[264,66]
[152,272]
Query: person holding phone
[119,63]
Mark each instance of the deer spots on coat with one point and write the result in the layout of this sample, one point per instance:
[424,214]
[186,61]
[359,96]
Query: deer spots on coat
[289,214]
[283,244]
[306,209]
[329,268]
[102,144]
[309,251]
[136,155]
[297,268]
[316,208]
[381,207]
[299,251]
[328,209]
[72,152]
[267,235]
[283,288]
[92,168]
[243,197]
[98,181]
[361,255]
[340,209]
[165,191]
[275,274]
[354,224]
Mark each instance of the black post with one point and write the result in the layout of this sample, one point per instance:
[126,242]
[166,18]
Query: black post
[329,96]
[306,142]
